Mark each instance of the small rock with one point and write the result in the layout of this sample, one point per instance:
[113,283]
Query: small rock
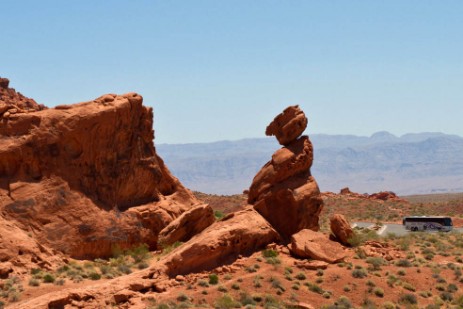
[180,278]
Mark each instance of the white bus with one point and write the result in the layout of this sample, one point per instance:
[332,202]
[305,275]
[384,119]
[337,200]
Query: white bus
[428,223]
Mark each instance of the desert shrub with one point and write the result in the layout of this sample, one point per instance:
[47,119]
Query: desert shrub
[60,281]
[346,288]
[276,284]
[446,296]
[376,262]
[452,288]
[269,253]
[139,253]
[48,278]
[378,292]
[221,288]
[360,236]
[409,287]
[301,276]
[34,282]
[142,265]
[271,302]
[94,276]
[359,273]
[257,297]
[235,286]
[256,282]
[246,299]
[227,301]
[320,272]
[124,268]
[213,279]
[182,297]
[218,215]
[166,249]
[401,272]
[403,263]
[342,303]
[440,287]
[407,299]
[203,283]
[313,287]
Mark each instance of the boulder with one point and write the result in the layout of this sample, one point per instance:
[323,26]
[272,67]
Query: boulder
[188,224]
[288,125]
[315,245]
[240,233]
[341,229]
[284,192]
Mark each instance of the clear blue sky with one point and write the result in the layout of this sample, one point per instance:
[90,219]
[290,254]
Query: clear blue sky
[216,70]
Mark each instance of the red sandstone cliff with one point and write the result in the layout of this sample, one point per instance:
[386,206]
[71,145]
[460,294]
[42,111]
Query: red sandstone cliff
[82,178]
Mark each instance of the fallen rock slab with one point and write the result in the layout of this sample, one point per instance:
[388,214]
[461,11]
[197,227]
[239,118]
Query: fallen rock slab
[239,233]
[317,246]
[341,229]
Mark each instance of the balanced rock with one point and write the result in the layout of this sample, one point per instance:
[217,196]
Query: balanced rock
[284,192]
[315,245]
[341,229]
[288,125]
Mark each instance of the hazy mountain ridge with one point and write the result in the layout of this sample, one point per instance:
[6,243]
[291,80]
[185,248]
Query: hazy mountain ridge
[409,164]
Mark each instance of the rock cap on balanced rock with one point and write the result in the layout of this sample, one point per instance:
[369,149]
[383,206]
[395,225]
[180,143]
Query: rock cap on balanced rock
[288,125]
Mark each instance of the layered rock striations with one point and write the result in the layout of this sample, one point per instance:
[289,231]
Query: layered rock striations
[284,191]
[84,178]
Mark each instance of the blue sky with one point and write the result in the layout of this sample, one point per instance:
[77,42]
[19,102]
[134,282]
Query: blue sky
[215,70]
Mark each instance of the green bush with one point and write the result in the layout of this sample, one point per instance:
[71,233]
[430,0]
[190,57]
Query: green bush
[407,299]
[213,279]
[227,301]
[94,276]
[378,292]
[359,273]
[301,276]
[48,278]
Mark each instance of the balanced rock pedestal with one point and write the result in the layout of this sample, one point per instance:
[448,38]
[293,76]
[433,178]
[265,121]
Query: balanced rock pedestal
[284,191]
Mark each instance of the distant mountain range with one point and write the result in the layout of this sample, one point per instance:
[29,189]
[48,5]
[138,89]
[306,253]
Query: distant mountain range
[410,164]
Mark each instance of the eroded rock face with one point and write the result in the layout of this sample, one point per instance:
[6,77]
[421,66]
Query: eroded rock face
[341,229]
[284,191]
[243,232]
[85,177]
[315,245]
[188,224]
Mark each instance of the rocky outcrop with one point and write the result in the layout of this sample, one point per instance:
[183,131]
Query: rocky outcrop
[239,233]
[188,224]
[12,102]
[83,178]
[284,191]
[315,245]
[384,196]
[341,229]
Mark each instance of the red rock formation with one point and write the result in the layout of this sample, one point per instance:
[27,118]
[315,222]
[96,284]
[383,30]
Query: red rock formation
[82,178]
[284,191]
[288,125]
[384,196]
[243,232]
[12,102]
[341,229]
[314,245]
[188,224]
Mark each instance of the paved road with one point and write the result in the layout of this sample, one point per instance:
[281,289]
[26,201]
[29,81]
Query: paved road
[397,229]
